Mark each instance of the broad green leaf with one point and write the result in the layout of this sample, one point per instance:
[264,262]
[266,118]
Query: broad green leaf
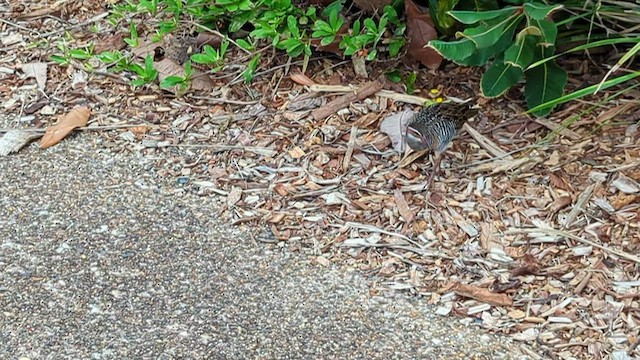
[499,78]
[520,54]
[529,30]
[439,9]
[544,83]
[488,35]
[548,29]
[478,5]
[540,11]
[481,56]
[453,50]
[472,17]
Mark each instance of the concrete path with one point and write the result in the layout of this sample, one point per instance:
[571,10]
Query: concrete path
[100,260]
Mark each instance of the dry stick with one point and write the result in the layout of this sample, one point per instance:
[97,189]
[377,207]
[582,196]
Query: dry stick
[363,92]
[621,254]
[84,128]
[222,148]
[67,28]
[408,99]
[350,146]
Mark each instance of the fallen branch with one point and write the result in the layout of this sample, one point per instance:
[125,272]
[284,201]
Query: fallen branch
[221,148]
[84,128]
[343,101]
[407,99]
[621,254]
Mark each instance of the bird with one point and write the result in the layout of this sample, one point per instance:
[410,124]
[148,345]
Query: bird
[433,128]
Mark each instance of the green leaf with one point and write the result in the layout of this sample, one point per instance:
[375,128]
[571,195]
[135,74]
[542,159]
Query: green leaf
[583,92]
[292,25]
[453,50]
[395,46]
[439,10]
[59,59]
[548,29]
[481,56]
[251,69]
[244,44]
[479,5]
[334,6]
[487,35]
[539,11]
[327,40]
[529,30]
[394,76]
[499,78]
[171,81]
[335,22]
[138,82]
[370,25]
[372,55]
[79,54]
[472,17]
[520,54]
[544,83]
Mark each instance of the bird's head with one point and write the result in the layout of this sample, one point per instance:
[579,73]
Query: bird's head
[416,138]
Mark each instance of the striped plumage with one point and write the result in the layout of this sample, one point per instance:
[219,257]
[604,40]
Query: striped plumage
[435,126]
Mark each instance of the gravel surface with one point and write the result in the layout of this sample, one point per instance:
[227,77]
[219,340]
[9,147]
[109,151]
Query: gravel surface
[101,260]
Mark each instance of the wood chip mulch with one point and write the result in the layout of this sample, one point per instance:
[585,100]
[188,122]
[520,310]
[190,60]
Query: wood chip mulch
[522,233]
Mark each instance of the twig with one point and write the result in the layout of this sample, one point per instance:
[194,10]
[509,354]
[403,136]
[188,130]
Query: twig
[407,99]
[67,28]
[621,254]
[487,144]
[84,128]
[224,101]
[17,26]
[221,148]
[579,205]
[363,92]
[222,36]
[352,142]
[559,128]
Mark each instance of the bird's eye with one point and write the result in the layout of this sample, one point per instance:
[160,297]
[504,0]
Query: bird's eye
[414,132]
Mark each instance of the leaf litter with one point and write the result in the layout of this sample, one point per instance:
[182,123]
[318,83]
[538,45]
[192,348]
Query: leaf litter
[537,242]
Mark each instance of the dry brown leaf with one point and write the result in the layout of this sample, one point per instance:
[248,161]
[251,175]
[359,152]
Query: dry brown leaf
[394,126]
[37,71]
[529,269]
[560,203]
[110,42]
[613,112]
[403,206]
[482,294]
[421,30]
[205,38]
[78,117]
[557,180]
[145,47]
[167,67]
[299,78]
[277,217]
[234,196]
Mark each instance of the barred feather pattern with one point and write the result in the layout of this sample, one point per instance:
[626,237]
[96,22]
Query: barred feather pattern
[435,126]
